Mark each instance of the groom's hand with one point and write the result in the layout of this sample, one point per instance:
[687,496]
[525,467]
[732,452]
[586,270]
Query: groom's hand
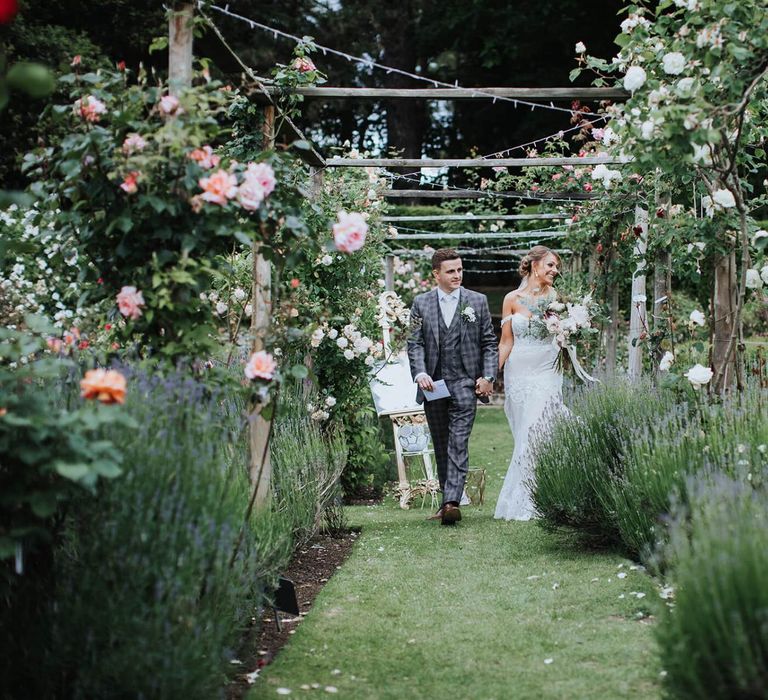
[483,387]
[425,382]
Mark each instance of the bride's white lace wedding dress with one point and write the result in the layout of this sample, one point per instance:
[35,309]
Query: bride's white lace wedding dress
[533,394]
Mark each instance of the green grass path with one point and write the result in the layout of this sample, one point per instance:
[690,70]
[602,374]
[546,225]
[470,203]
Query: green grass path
[487,609]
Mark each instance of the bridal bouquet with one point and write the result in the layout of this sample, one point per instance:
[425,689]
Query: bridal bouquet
[566,328]
[566,322]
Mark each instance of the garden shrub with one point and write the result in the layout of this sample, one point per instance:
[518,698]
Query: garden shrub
[155,580]
[576,463]
[713,639]
[687,440]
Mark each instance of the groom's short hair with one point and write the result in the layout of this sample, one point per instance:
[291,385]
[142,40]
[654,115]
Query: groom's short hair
[441,255]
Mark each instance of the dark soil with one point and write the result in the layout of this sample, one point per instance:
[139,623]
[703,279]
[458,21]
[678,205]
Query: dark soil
[311,568]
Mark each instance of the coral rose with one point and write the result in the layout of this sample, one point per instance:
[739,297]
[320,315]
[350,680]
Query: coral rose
[303,65]
[219,187]
[105,385]
[128,185]
[130,301]
[350,231]
[133,143]
[205,157]
[169,106]
[90,108]
[261,365]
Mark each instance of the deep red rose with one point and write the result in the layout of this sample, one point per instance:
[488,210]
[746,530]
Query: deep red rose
[8,10]
[83,344]
[121,66]
[107,326]
[599,248]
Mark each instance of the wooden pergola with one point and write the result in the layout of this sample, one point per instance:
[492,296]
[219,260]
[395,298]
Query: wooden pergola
[180,72]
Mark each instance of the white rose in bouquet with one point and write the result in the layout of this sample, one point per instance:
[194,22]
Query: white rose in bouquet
[666,361]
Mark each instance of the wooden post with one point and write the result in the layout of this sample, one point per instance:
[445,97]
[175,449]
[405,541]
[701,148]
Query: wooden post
[637,317]
[261,304]
[389,273]
[612,329]
[180,36]
[724,317]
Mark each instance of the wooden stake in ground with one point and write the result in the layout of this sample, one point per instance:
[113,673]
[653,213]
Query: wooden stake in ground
[723,360]
[261,304]
[180,37]
[637,318]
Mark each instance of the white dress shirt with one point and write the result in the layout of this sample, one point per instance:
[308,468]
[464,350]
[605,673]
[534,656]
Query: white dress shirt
[448,304]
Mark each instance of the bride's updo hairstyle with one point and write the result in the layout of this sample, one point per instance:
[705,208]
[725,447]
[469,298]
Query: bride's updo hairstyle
[534,255]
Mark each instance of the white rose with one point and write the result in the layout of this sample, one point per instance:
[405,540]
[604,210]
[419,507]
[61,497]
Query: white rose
[369,360]
[349,354]
[708,206]
[580,47]
[697,318]
[326,260]
[673,63]
[702,154]
[341,342]
[753,279]
[724,198]
[758,235]
[332,333]
[646,130]
[239,294]
[248,310]
[698,375]
[684,85]
[666,361]
[634,78]
[221,308]
[330,401]
[764,274]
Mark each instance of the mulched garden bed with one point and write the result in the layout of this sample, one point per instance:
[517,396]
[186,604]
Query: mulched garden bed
[311,568]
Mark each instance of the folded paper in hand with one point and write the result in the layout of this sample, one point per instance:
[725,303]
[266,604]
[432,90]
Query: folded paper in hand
[439,391]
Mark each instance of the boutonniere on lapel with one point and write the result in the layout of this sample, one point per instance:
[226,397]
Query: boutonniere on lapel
[467,314]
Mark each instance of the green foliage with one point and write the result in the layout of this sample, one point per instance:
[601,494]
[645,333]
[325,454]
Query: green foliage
[690,439]
[712,639]
[577,464]
[129,181]
[154,581]
[50,452]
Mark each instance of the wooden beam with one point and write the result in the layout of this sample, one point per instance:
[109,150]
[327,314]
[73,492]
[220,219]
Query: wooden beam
[566,94]
[477,217]
[475,194]
[468,162]
[478,235]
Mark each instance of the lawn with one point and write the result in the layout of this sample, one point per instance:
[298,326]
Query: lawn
[487,609]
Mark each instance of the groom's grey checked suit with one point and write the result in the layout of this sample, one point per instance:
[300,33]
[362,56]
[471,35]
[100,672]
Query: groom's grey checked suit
[459,354]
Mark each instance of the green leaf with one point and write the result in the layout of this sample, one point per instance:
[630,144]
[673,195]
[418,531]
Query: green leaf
[74,471]
[299,371]
[621,40]
[43,503]
[243,237]
[107,468]
[575,73]
[159,43]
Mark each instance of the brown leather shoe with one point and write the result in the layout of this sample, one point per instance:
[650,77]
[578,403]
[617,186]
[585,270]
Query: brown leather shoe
[436,516]
[451,514]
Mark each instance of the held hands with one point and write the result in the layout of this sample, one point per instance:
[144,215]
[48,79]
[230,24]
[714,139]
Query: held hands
[483,387]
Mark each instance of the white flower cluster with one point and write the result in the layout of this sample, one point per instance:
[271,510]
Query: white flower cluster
[606,175]
[234,302]
[352,343]
[634,20]
[321,411]
[45,284]
[392,311]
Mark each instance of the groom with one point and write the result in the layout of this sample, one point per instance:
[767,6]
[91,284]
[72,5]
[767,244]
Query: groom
[452,339]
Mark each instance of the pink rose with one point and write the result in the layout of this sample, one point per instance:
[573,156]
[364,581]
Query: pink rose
[349,233]
[205,157]
[261,365]
[250,194]
[169,105]
[598,134]
[303,65]
[128,185]
[133,144]
[587,187]
[76,61]
[130,301]
[263,174]
[219,187]
[90,108]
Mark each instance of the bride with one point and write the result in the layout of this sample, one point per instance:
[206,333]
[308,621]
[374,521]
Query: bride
[532,384]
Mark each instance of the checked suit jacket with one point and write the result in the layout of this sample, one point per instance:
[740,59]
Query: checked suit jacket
[478,345]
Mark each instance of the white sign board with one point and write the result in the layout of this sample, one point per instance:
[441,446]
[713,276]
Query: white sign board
[393,388]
